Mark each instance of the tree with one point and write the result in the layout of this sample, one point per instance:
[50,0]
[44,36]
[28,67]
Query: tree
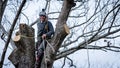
[82,31]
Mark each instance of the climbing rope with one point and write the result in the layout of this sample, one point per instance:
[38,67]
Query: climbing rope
[87,52]
[44,40]
[50,46]
[45,55]
[27,36]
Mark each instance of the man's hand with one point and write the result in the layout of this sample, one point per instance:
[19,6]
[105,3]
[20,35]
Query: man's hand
[43,36]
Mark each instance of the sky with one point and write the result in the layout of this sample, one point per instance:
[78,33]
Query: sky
[97,58]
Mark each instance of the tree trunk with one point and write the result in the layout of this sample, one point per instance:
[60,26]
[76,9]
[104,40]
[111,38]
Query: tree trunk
[60,33]
[24,55]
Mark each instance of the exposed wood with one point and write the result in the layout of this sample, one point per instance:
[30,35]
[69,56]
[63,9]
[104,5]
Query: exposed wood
[24,55]
[66,29]
[17,38]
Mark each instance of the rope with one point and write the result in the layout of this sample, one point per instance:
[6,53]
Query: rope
[44,40]
[51,46]
[88,57]
[45,56]
[87,53]
[28,36]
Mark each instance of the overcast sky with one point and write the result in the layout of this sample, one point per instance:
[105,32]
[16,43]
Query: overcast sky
[98,59]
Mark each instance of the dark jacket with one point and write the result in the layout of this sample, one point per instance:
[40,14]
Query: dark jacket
[42,30]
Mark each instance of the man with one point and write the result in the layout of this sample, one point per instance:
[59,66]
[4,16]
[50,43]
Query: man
[45,31]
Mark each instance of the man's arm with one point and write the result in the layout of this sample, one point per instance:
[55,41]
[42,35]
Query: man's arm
[39,32]
[51,30]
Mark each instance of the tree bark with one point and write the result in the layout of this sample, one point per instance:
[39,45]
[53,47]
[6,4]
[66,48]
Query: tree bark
[60,33]
[24,55]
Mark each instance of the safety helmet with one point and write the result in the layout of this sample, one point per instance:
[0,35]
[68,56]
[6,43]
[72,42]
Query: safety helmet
[42,13]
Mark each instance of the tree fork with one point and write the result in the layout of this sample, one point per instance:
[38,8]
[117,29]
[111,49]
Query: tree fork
[61,32]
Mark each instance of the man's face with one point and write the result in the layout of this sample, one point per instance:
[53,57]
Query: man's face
[42,18]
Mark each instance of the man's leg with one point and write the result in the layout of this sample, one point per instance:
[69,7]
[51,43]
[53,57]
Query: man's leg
[38,55]
[38,60]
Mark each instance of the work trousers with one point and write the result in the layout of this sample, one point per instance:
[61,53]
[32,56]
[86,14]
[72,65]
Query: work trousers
[40,46]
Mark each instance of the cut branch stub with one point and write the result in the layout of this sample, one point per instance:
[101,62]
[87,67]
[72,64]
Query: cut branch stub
[16,38]
[67,30]
[24,55]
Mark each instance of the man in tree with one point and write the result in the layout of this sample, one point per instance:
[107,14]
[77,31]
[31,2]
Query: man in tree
[45,31]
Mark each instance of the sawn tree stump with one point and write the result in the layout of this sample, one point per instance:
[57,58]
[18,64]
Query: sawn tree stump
[24,55]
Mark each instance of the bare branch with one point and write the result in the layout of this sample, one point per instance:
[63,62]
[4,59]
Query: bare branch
[89,34]
[110,48]
[114,16]
[26,17]
[71,62]
[34,22]
[64,62]
[83,44]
